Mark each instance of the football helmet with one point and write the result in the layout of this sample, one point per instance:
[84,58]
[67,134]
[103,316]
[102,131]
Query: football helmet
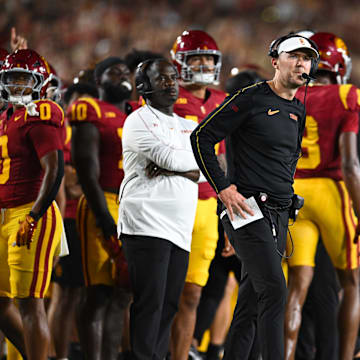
[53,91]
[3,54]
[34,72]
[334,55]
[196,42]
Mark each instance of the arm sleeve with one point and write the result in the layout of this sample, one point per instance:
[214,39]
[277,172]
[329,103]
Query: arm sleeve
[144,136]
[350,122]
[45,138]
[215,127]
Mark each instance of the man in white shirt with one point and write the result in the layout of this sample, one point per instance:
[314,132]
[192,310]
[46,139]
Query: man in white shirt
[158,199]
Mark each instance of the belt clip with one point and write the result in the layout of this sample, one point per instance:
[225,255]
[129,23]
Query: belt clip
[263,197]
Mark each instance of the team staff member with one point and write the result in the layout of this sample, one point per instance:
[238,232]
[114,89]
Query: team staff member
[156,215]
[31,226]
[97,154]
[263,125]
[198,60]
[330,166]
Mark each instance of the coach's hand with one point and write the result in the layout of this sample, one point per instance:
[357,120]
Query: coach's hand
[234,202]
[26,230]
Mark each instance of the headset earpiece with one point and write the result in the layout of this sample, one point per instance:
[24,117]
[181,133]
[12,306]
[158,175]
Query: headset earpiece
[142,81]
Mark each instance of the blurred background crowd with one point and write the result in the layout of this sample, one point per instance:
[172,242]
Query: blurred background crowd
[75,34]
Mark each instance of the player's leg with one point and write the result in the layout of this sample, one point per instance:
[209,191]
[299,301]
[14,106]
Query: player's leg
[221,322]
[36,331]
[301,243]
[348,320]
[114,323]
[97,270]
[67,283]
[10,320]
[183,327]
[213,291]
[65,300]
[305,236]
[203,247]
[11,323]
[322,302]
[344,253]
[30,272]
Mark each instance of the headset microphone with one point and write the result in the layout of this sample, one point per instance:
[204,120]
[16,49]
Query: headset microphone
[307,77]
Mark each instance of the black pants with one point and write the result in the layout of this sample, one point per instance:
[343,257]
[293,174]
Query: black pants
[157,271]
[262,291]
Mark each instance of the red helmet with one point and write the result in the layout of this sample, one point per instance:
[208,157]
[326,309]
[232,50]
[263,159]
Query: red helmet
[334,55]
[31,65]
[3,54]
[196,42]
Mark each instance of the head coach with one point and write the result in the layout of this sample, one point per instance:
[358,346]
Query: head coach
[263,126]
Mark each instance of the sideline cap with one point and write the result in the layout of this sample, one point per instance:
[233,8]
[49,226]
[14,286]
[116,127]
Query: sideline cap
[295,43]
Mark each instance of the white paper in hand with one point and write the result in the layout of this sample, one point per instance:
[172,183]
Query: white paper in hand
[239,221]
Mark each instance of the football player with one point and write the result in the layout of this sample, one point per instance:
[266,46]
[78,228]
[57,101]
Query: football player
[328,177]
[97,153]
[198,60]
[30,174]
[68,276]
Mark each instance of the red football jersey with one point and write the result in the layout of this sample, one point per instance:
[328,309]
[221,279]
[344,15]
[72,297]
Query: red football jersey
[24,140]
[190,107]
[109,121]
[71,204]
[330,111]
[67,132]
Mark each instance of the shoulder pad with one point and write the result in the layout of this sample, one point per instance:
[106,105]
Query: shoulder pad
[350,97]
[49,112]
[85,109]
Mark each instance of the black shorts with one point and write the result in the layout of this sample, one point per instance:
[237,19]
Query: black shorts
[68,271]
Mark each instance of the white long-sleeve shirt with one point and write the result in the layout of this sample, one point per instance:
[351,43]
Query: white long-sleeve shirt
[164,206]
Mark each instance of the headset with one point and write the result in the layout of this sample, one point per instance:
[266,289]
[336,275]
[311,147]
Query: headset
[142,81]
[273,52]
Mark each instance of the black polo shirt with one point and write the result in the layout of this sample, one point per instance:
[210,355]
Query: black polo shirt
[263,134]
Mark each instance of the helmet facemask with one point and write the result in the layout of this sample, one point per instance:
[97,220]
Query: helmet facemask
[201,76]
[20,86]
